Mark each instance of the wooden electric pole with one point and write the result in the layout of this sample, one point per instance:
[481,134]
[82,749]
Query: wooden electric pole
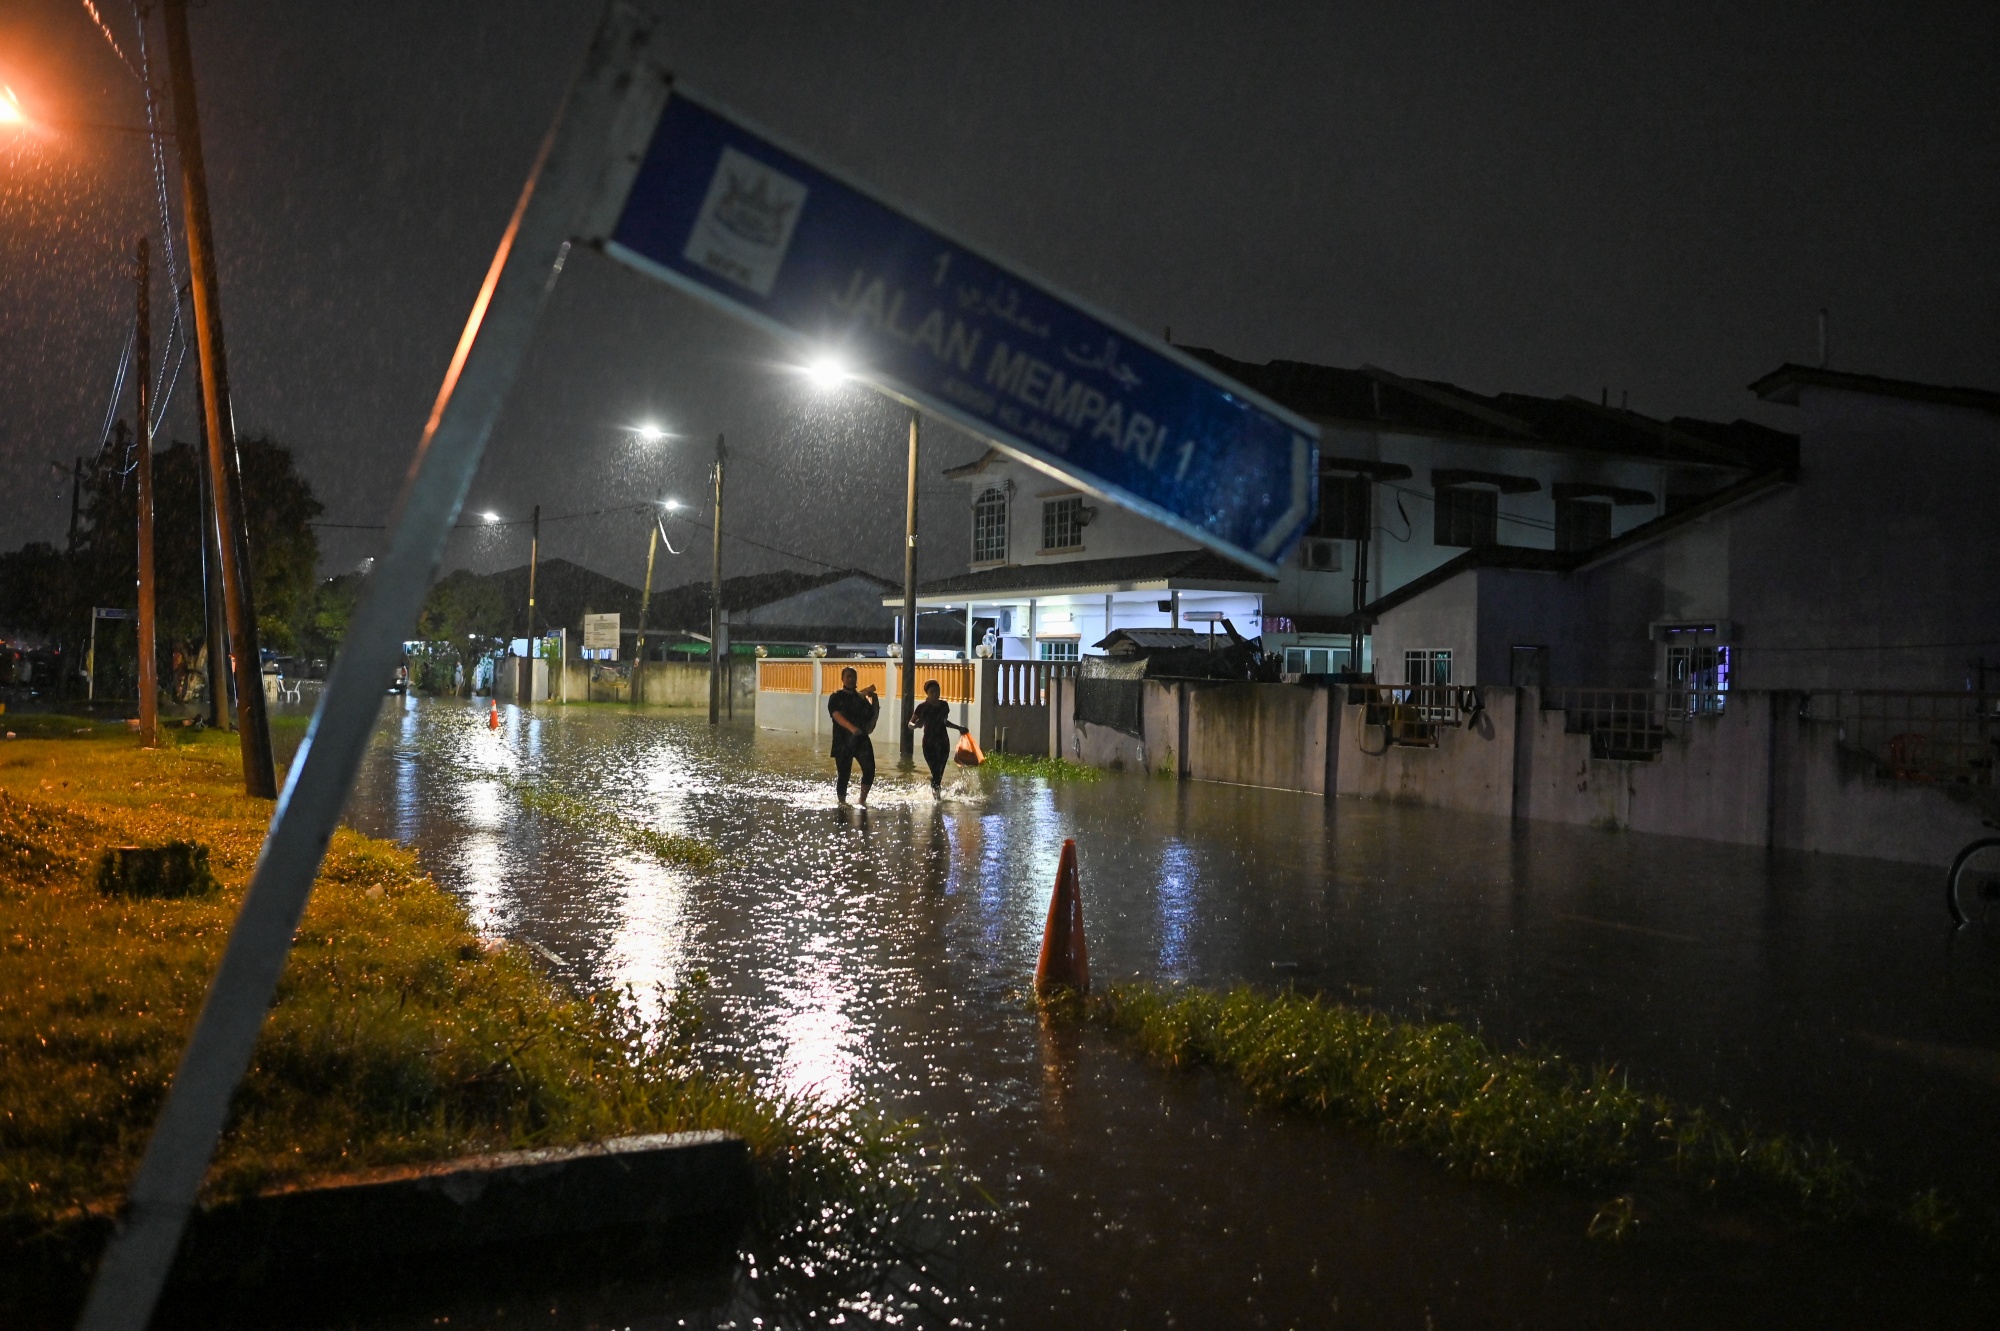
[142,365]
[718,631]
[215,619]
[259,776]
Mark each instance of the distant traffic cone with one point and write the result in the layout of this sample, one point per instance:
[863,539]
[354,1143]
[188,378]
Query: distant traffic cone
[1065,960]
[493,717]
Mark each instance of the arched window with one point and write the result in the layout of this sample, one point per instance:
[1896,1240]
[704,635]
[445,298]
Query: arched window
[989,527]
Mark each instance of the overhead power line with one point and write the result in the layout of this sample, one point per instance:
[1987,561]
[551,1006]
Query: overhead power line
[102,27]
[597,513]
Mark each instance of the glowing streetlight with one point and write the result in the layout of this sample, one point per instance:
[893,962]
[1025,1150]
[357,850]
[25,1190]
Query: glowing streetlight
[490,516]
[827,372]
[672,505]
[10,108]
[649,433]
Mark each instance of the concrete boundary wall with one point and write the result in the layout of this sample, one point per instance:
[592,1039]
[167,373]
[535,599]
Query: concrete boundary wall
[664,683]
[1759,774]
[1257,735]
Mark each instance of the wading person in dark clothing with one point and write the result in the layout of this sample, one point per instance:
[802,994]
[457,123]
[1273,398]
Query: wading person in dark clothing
[853,712]
[932,717]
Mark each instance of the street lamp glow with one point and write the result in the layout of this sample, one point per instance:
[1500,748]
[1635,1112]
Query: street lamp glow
[672,505]
[10,108]
[649,433]
[827,372]
[490,516]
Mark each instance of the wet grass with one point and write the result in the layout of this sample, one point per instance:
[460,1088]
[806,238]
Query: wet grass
[1515,1117]
[667,847]
[398,1035]
[1049,769]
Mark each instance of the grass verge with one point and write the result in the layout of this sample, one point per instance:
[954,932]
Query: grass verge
[398,1035]
[1049,769]
[667,847]
[1515,1117]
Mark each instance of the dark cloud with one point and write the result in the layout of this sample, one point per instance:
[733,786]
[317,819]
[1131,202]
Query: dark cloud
[1544,199]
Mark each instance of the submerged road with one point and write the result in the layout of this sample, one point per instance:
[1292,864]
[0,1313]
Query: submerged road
[885,958]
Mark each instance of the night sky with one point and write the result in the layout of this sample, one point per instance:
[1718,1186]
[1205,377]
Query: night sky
[1537,198]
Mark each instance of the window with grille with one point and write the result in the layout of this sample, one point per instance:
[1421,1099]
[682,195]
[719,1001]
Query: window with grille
[1058,650]
[1427,666]
[1062,523]
[1427,672]
[989,527]
[1467,516]
[1698,676]
[1344,508]
[1315,660]
[1582,524]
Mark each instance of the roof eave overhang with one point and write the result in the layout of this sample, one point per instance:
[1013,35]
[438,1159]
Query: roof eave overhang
[1535,445]
[960,596]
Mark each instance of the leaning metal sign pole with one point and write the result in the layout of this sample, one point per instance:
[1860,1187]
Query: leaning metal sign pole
[676,189]
[586,162]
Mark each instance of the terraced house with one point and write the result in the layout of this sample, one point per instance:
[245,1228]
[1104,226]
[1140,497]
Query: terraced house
[1417,478]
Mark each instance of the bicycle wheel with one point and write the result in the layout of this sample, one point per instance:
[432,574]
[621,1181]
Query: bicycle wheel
[1973,890]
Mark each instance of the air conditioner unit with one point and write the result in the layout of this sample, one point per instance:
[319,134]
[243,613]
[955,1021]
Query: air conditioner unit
[1320,556]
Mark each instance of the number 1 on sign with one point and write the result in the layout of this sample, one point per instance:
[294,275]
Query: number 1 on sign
[1187,456]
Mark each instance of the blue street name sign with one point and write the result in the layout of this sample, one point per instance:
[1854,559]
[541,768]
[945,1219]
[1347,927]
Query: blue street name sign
[723,213]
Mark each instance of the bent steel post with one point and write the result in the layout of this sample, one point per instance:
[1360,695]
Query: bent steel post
[576,187]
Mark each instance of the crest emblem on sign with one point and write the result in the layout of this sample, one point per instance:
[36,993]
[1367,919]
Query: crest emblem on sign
[746,221]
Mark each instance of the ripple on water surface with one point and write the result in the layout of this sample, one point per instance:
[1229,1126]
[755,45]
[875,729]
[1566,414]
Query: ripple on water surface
[883,954]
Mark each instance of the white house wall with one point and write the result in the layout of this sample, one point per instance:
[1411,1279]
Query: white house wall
[1113,532]
[1444,617]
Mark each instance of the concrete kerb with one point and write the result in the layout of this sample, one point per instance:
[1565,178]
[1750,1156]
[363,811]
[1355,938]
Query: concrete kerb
[476,1203]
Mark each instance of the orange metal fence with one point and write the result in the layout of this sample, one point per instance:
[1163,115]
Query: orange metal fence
[785,676]
[955,678]
[867,672]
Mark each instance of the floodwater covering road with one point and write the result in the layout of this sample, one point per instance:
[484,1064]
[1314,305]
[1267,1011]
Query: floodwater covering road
[886,956]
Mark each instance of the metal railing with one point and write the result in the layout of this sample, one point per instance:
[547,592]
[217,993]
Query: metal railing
[1411,714]
[956,679]
[1910,736]
[1632,724]
[785,676]
[1026,683]
[866,672]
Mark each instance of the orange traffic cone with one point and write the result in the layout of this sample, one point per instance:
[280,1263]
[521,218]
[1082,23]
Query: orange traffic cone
[493,717]
[1065,960]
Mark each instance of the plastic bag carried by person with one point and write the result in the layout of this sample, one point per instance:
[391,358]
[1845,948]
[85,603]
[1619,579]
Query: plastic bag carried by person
[967,754]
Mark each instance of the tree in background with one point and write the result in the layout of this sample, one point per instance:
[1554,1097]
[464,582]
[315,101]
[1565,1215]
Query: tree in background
[279,508]
[466,615]
[333,606]
[34,595]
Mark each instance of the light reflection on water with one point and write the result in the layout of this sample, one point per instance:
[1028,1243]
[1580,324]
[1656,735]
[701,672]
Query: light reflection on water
[885,954]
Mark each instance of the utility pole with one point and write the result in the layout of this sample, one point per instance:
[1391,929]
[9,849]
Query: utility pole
[239,601]
[907,737]
[1354,625]
[526,693]
[645,604]
[75,502]
[718,631]
[149,660]
[215,621]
